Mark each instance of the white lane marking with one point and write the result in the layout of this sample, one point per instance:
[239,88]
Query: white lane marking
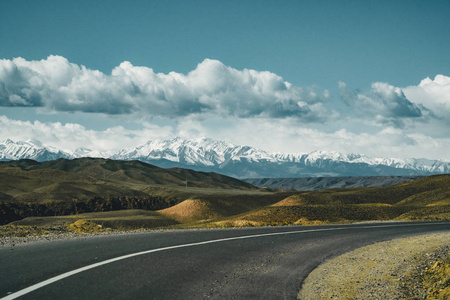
[108,261]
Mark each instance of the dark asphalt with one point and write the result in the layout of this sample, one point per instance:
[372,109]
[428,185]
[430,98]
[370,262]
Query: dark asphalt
[267,267]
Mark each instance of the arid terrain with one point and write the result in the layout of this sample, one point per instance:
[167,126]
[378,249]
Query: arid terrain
[118,195]
[409,268]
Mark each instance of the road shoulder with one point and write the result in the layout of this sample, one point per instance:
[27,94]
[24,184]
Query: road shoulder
[386,270]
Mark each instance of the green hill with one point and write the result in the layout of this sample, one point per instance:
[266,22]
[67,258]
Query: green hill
[145,196]
[424,199]
[63,187]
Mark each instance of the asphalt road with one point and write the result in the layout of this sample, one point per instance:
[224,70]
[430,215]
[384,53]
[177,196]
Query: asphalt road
[263,263]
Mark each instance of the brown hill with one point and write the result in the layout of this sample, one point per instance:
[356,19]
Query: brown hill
[104,170]
[61,187]
[419,192]
[86,177]
[424,199]
[96,185]
[191,210]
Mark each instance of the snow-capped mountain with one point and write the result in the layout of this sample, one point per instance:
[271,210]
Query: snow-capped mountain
[195,152]
[86,152]
[210,155]
[10,150]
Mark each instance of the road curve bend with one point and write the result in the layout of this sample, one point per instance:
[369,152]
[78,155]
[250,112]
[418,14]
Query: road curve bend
[245,263]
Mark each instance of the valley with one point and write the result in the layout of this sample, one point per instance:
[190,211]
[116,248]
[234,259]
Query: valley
[130,195]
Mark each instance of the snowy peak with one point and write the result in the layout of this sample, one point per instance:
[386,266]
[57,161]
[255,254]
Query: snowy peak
[10,150]
[212,153]
[86,152]
[201,151]
[205,154]
[337,156]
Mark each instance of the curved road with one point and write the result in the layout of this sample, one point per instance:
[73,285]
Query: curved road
[250,263]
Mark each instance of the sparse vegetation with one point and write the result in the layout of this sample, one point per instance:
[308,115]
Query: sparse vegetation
[133,195]
[436,280]
[84,226]
[408,268]
[130,219]
[11,230]
[65,187]
[423,199]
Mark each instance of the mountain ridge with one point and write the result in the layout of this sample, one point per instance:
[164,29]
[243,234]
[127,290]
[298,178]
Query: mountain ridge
[322,183]
[209,155]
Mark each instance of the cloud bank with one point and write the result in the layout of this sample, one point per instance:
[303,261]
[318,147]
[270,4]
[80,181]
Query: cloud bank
[57,84]
[70,136]
[247,107]
[272,135]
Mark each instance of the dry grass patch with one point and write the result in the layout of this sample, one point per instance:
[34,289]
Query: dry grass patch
[428,213]
[84,226]
[293,200]
[305,221]
[120,219]
[233,223]
[387,270]
[28,231]
[437,280]
[191,210]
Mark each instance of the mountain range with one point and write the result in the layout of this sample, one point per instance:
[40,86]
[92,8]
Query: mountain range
[209,155]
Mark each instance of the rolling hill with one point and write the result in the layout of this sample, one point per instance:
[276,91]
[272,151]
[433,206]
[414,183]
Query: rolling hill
[322,183]
[61,187]
[145,196]
[423,199]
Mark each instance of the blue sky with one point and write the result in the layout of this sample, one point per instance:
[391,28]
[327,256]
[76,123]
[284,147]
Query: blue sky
[348,76]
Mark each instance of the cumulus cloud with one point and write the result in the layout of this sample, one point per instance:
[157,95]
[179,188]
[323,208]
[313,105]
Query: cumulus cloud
[15,86]
[384,104]
[434,94]
[57,84]
[240,106]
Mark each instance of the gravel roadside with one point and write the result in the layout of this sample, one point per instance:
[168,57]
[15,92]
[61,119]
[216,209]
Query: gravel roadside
[12,241]
[386,270]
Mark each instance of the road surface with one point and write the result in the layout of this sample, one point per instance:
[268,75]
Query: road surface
[246,263]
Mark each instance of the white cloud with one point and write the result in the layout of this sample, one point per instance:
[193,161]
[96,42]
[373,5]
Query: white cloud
[246,107]
[279,135]
[57,84]
[70,136]
[289,136]
[384,104]
[434,94]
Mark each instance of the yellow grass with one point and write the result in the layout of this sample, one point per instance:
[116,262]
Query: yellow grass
[190,210]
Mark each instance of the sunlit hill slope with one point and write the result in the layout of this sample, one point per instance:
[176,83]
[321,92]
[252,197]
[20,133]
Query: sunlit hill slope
[61,187]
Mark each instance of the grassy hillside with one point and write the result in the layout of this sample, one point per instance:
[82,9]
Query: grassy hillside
[191,212]
[143,196]
[63,187]
[423,199]
[105,171]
